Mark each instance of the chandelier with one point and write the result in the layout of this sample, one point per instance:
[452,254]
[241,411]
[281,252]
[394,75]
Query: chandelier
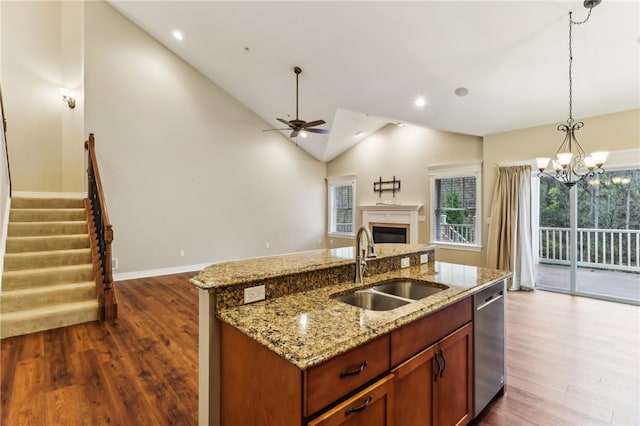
[571,164]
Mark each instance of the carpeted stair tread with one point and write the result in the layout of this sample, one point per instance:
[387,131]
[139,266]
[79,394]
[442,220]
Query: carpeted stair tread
[46,203]
[47,318]
[46,215]
[32,229]
[26,278]
[45,259]
[46,243]
[48,279]
[30,298]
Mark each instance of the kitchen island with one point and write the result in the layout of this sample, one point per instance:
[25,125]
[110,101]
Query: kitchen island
[300,328]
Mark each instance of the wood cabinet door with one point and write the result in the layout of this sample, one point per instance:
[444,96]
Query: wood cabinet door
[453,403]
[371,407]
[414,389]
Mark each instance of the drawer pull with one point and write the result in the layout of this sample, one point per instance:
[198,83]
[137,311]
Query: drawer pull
[360,407]
[354,372]
[444,363]
[439,371]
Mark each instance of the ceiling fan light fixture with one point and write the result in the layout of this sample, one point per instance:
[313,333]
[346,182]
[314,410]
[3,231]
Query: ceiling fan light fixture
[297,126]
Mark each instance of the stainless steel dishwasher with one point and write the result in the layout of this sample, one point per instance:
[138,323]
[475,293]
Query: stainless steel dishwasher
[488,337]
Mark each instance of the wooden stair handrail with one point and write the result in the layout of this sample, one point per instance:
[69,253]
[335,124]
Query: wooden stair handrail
[6,147]
[103,231]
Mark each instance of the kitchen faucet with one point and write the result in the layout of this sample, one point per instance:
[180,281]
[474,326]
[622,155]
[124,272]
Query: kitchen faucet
[363,254]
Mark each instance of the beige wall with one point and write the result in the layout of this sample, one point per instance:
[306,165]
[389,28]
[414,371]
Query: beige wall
[184,165]
[39,55]
[619,131]
[406,152]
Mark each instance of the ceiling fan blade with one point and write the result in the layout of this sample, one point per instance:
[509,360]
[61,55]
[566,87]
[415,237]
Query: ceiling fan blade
[323,131]
[315,123]
[283,128]
[282,120]
[294,133]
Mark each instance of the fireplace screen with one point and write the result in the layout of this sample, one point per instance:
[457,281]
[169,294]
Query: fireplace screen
[389,234]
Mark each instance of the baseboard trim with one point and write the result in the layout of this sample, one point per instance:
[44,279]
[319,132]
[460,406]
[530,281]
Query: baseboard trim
[28,194]
[157,272]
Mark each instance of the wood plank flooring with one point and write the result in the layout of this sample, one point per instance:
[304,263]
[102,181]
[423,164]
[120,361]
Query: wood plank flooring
[570,361]
[141,369]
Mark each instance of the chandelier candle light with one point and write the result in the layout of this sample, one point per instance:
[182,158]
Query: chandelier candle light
[571,164]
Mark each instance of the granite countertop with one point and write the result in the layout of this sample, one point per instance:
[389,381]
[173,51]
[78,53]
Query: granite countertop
[309,327]
[232,273]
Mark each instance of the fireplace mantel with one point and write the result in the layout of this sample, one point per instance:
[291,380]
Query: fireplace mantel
[383,206]
[393,214]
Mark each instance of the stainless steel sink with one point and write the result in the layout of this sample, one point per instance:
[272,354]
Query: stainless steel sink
[409,288]
[373,301]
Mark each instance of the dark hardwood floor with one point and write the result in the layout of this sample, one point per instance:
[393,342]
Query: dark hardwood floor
[141,369]
[570,361]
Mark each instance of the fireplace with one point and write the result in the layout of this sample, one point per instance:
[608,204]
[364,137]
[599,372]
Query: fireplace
[392,223]
[389,233]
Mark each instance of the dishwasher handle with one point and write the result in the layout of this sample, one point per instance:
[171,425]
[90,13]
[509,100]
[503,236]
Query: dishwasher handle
[497,296]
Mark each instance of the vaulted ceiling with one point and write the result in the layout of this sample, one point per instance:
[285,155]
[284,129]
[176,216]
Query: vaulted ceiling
[365,63]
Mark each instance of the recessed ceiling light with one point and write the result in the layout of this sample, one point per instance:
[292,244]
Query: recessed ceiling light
[178,35]
[401,124]
[359,133]
[461,91]
[420,102]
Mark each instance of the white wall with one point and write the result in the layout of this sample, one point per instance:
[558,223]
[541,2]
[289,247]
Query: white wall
[40,54]
[184,165]
[406,152]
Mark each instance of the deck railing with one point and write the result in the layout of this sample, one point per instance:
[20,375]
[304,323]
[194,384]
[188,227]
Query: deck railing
[457,233]
[617,249]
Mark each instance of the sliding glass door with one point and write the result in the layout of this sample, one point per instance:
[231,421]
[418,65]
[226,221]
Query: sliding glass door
[597,253]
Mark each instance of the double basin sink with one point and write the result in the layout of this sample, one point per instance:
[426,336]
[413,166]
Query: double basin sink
[391,294]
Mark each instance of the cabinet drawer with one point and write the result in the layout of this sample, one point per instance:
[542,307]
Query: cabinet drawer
[372,407]
[337,377]
[412,338]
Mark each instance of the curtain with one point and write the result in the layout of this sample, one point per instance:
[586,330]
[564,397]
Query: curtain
[509,244]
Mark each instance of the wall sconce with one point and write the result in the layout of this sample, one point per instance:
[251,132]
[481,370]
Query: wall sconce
[68,99]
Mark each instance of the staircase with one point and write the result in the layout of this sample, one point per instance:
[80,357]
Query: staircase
[48,279]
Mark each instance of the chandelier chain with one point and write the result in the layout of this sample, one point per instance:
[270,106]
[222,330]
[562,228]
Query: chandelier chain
[571,24]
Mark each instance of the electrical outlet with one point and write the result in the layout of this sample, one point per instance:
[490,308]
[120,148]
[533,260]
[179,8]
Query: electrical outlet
[254,294]
[424,258]
[182,253]
[405,262]
[114,263]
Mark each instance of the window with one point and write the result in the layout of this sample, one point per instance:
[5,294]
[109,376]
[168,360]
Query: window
[455,206]
[342,195]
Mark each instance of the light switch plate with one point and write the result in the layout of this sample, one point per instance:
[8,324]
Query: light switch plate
[405,262]
[424,258]
[254,294]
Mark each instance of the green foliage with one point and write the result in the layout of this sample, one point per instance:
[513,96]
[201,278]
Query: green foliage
[453,200]
[607,201]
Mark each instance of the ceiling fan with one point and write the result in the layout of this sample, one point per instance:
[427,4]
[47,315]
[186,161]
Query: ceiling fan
[298,125]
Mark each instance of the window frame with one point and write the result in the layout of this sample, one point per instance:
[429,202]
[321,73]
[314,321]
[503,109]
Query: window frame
[448,172]
[332,182]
